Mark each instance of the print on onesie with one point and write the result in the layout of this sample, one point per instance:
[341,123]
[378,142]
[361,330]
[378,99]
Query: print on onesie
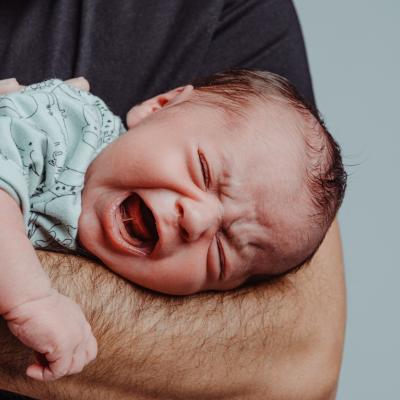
[50,133]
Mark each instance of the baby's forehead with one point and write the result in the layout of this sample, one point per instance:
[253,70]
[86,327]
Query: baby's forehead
[249,118]
[265,122]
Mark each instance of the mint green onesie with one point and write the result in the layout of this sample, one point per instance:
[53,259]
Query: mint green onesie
[49,134]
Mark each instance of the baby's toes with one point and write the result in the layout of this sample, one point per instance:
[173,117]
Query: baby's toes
[9,85]
[80,83]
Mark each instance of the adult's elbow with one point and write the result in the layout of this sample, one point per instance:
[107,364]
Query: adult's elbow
[311,374]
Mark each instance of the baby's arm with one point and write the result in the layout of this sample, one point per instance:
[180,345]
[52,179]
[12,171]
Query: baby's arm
[38,315]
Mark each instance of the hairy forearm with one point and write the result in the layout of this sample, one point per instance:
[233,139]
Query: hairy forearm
[281,340]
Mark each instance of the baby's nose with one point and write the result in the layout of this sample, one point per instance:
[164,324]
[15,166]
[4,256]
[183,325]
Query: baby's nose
[198,217]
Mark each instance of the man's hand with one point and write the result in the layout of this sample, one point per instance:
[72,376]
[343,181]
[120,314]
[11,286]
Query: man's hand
[11,85]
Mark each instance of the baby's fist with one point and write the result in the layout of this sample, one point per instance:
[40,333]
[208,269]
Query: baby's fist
[55,327]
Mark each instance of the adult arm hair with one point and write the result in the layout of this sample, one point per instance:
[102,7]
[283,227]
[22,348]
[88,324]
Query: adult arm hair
[279,340]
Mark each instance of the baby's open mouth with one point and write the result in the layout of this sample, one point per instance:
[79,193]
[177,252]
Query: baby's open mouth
[139,223]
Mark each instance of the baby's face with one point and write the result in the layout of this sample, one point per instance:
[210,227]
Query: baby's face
[182,203]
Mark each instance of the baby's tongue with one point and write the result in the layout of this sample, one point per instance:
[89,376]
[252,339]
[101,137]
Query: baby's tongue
[137,225]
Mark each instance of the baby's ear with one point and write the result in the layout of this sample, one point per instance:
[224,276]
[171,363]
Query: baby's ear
[175,96]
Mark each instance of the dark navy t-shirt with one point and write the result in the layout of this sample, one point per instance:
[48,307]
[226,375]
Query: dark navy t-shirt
[131,50]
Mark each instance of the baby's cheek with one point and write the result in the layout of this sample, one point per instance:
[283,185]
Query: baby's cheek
[177,278]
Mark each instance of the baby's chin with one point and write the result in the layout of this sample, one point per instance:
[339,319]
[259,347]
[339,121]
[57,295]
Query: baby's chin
[154,282]
[227,285]
[176,288]
[173,290]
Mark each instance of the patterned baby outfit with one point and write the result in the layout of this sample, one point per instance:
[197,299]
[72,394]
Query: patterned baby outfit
[49,134]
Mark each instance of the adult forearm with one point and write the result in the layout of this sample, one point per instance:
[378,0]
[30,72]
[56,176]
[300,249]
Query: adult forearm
[279,341]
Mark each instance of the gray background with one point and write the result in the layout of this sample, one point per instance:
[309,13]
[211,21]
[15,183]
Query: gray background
[353,48]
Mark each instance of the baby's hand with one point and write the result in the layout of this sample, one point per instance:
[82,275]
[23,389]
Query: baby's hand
[55,327]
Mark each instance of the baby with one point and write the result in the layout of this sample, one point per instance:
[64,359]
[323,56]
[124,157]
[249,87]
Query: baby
[211,186]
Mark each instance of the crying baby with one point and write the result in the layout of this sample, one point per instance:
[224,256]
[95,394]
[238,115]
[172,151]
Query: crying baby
[211,185]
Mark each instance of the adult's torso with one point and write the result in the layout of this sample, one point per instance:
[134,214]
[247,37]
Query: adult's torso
[131,50]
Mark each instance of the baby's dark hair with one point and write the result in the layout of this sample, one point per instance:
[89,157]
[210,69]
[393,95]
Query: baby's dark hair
[233,90]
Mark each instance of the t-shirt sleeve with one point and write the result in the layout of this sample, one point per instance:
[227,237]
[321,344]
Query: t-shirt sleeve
[49,134]
[21,155]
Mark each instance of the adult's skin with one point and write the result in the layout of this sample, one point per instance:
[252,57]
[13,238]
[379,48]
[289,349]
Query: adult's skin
[280,341]
[272,341]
